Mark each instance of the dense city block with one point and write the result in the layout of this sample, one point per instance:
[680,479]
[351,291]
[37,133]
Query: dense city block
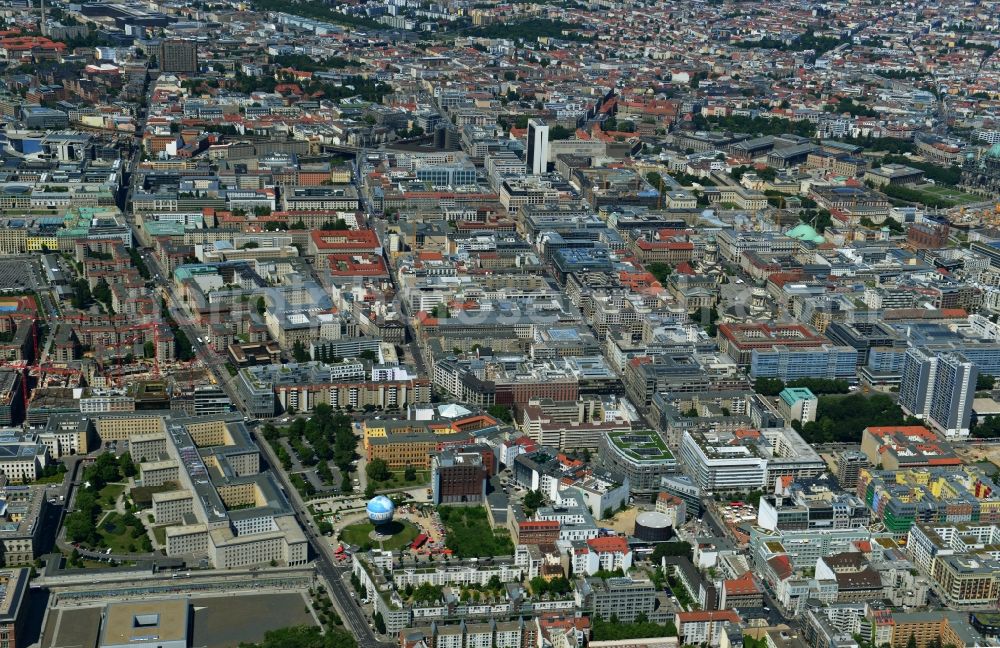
[467,324]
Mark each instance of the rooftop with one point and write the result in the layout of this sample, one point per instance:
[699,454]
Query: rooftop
[143,622]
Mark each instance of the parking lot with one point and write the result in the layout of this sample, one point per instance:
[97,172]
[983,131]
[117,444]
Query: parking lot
[19,274]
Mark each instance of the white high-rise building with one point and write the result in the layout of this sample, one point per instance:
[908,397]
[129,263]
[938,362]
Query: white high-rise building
[537,158]
[939,387]
[954,390]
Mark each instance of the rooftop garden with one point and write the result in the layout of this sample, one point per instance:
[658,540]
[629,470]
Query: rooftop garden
[642,445]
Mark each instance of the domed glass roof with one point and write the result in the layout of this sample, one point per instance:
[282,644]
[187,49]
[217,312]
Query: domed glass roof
[805,232]
[994,150]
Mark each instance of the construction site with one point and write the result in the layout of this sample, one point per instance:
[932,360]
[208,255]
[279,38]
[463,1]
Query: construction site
[65,349]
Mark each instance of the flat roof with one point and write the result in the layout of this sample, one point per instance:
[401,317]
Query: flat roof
[145,622]
[642,445]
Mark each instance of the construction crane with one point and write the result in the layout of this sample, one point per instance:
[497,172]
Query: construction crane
[41,370]
[131,340]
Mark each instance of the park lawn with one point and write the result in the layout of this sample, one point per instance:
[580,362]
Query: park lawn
[469,533]
[107,496]
[118,536]
[950,193]
[357,535]
[396,480]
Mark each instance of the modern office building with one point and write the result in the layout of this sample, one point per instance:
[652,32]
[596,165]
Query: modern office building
[797,404]
[620,597]
[641,457]
[746,460]
[537,158]
[954,391]
[179,56]
[793,363]
[849,465]
[940,388]
[718,464]
[805,510]
[684,488]
[458,477]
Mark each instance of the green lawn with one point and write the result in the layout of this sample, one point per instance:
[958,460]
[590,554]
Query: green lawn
[51,479]
[119,536]
[107,496]
[396,480]
[160,533]
[470,534]
[357,534]
[950,193]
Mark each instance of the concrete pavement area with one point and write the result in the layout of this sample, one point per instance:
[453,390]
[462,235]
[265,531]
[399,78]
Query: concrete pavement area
[219,621]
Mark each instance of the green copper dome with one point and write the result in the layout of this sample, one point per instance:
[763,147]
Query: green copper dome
[805,232]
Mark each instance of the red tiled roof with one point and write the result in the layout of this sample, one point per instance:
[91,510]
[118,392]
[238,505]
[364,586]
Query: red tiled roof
[909,430]
[702,616]
[744,585]
[343,239]
[356,264]
[608,544]
[781,566]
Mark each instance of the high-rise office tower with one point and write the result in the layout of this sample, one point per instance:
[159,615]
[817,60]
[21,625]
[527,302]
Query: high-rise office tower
[537,159]
[954,391]
[916,382]
[179,56]
[939,387]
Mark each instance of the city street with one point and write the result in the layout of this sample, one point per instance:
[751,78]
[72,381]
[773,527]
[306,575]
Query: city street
[326,565]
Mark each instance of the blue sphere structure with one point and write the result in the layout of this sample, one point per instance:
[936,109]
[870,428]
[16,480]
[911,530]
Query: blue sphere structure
[380,509]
